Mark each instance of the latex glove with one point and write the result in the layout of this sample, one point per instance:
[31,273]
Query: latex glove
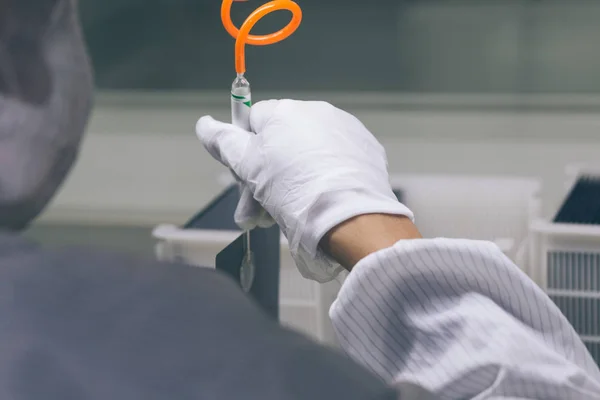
[311,166]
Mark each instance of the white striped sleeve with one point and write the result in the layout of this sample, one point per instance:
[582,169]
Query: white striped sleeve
[458,318]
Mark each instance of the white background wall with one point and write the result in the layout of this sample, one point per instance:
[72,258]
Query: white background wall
[141,163]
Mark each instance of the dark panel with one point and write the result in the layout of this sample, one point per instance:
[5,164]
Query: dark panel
[266,255]
[265,244]
[582,205]
[218,214]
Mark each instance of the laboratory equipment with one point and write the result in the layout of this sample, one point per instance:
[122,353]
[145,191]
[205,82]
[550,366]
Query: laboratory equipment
[566,255]
[241,97]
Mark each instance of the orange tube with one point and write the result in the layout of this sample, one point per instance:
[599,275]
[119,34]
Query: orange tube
[243,36]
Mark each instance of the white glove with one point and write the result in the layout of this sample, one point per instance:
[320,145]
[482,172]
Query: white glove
[311,166]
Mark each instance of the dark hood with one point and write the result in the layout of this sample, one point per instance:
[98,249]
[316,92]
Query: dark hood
[46,88]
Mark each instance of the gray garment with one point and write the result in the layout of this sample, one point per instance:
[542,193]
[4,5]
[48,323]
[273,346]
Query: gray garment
[83,325]
[45,99]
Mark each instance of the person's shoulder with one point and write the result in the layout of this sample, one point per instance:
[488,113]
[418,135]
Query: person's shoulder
[91,271]
[81,281]
[86,317]
[124,270]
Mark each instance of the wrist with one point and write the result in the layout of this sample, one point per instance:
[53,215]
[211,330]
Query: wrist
[331,209]
[335,207]
[356,238]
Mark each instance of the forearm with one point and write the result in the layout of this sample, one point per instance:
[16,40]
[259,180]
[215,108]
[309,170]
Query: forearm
[353,240]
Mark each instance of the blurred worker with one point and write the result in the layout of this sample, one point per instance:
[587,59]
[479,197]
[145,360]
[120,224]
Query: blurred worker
[455,317]
[84,325]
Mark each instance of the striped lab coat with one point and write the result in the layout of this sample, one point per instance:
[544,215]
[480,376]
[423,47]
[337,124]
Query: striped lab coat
[460,319]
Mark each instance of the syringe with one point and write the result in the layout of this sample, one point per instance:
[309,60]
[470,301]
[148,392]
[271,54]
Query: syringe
[241,99]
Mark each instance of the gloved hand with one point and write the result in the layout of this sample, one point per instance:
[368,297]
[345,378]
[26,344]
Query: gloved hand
[311,166]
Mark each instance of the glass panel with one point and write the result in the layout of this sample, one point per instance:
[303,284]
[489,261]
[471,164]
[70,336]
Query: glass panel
[448,46]
[459,46]
[181,44]
[563,47]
